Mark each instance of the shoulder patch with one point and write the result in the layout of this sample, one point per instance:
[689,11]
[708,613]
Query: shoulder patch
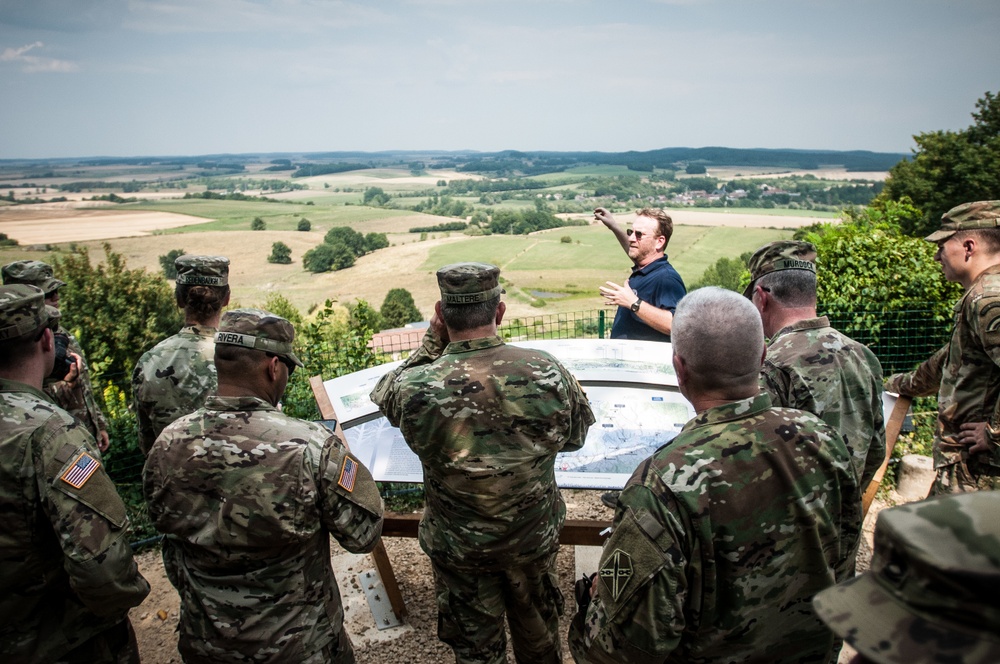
[81,470]
[616,572]
[348,473]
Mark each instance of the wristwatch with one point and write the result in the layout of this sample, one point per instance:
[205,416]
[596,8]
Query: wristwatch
[635,306]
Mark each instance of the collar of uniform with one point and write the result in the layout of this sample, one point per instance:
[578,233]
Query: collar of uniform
[199,330]
[975,288]
[649,267]
[804,324]
[215,402]
[734,410]
[17,386]
[473,344]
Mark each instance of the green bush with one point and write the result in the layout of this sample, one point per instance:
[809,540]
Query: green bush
[258,224]
[304,225]
[167,262]
[281,253]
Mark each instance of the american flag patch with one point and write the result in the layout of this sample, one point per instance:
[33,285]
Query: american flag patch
[81,470]
[348,473]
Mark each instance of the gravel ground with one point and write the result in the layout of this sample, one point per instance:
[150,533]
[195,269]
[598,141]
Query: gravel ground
[415,642]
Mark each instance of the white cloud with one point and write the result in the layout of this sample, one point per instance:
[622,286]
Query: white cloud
[33,63]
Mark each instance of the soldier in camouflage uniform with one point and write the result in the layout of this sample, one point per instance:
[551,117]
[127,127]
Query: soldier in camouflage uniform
[930,596]
[723,536]
[966,372]
[487,421]
[67,576]
[73,393]
[176,376]
[247,498]
[809,365]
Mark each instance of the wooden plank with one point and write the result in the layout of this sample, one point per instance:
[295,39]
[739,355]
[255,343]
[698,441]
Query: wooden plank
[379,555]
[384,567]
[892,429]
[582,532]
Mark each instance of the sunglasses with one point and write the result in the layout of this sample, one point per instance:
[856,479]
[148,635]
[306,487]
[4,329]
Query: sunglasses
[638,234]
[284,360]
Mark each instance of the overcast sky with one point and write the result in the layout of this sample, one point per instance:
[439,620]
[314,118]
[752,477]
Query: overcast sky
[187,77]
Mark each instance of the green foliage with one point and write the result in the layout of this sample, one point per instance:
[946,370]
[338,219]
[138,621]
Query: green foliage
[566,239]
[445,227]
[949,168]
[278,304]
[304,225]
[326,257]
[115,312]
[376,241]
[6,241]
[347,237]
[375,197]
[398,309]
[280,253]
[528,221]
[856,258]
[258,224]
[695,169]
[167,263]
[730,273]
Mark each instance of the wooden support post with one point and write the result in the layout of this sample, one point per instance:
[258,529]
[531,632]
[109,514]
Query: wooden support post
[379,554]
[892,428]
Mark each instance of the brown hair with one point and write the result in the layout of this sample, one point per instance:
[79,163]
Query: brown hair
[200,302]
[666,224]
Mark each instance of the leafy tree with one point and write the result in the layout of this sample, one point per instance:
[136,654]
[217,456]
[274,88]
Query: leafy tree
[258,224]
[725,273]
[167,263]
[695,169]
[304,225]
[326,257]
[375,196]
[376,241]
[277,303]
[348,237]
[329,345]
[280,253]
[364,317]
[114,311]
[398,309]
[855,259]
[949,168]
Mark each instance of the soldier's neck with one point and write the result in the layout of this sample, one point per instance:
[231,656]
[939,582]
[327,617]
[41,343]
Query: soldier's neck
[474,333]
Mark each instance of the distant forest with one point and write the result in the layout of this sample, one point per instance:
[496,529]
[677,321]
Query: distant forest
[507,162]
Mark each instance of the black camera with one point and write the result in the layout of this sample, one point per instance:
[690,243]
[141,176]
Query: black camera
[64,362]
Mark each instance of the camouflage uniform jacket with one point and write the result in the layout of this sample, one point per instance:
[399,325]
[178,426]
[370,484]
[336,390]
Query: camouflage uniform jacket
[813,367]
[248,498]
[966,373]
[173,379]
[77,398]
[487,420]
[720,541]
[66,569]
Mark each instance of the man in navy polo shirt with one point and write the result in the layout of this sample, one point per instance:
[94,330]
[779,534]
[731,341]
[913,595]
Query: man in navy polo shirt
[647,299]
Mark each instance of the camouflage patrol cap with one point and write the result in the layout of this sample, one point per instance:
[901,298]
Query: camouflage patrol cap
[35,273]
[257,329]
[469,283]
[967,217]
[932,592]
[780,255]
[23,310]
[202,270]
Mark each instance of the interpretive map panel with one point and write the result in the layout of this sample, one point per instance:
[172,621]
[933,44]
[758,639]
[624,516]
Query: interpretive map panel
[632,390]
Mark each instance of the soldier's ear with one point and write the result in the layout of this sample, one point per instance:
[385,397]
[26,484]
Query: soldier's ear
[500,312]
